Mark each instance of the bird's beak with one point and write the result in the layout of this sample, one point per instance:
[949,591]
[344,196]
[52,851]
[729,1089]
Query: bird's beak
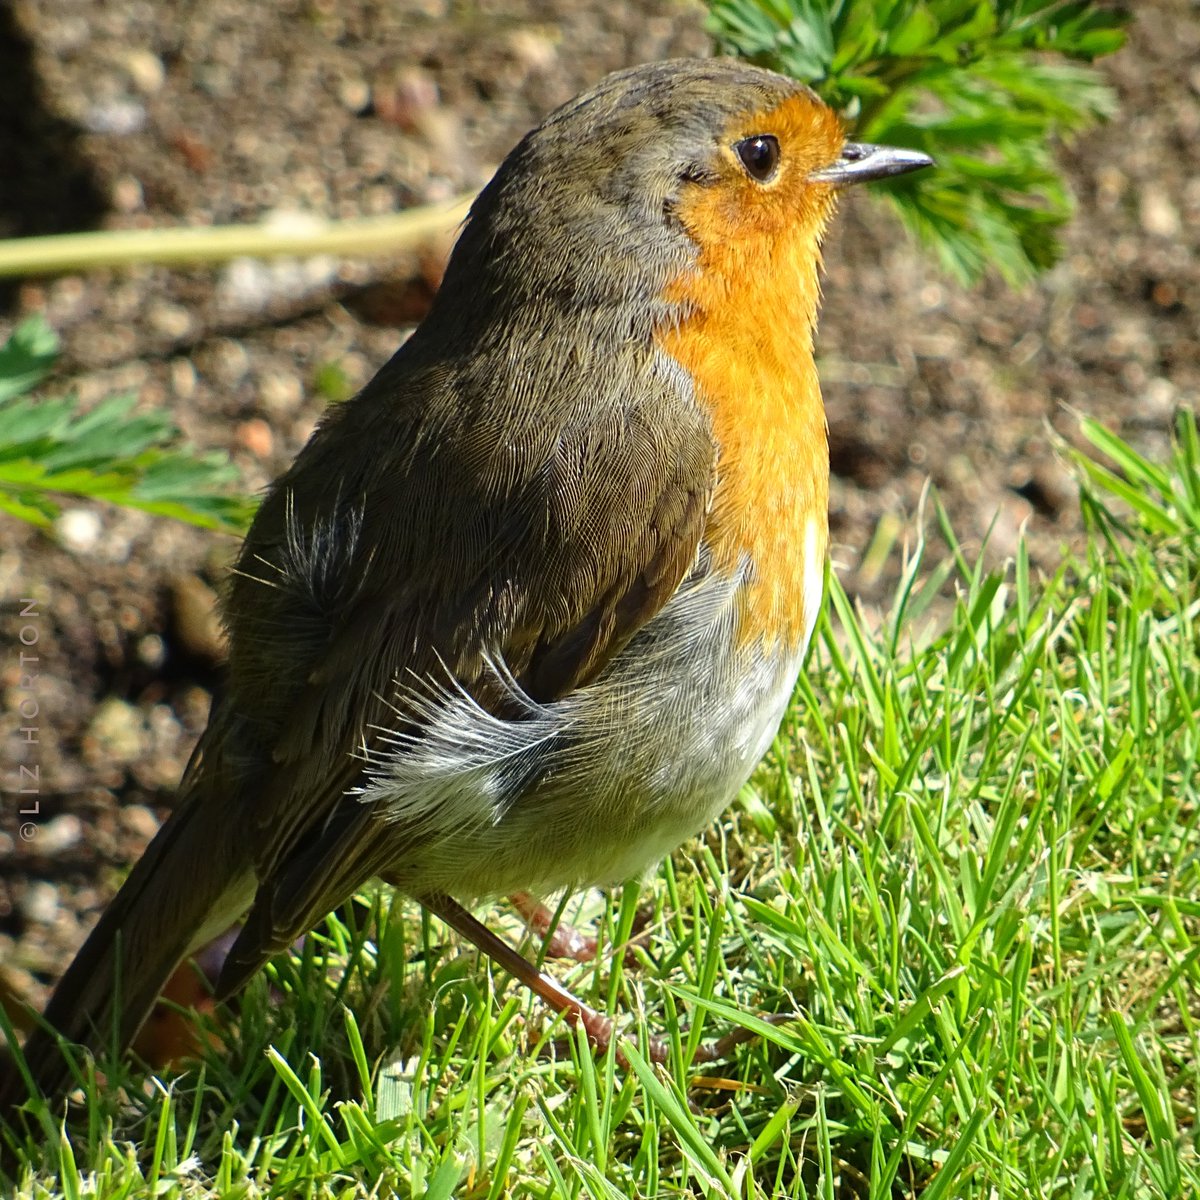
[860,162]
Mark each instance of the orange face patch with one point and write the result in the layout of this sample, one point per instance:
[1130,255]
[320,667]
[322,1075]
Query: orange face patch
[749,307]
[739,206]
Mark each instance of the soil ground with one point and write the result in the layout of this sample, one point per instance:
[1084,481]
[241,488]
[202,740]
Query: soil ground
[135,114]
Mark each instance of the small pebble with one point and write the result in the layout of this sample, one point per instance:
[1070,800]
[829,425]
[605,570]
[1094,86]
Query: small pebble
[60,834]
[532,49]
[173,320]
[355,95]
[151,651]
[255,435]
[280,393]
[146,70]
[127,194]
[117,732]
[1158,215]
[183,378]
[406,99]
[79,529]
[39,902]
[116,118]
[138,820]
[1158,398]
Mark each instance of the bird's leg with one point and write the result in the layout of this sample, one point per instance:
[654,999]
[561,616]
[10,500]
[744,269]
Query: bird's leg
[562,940]
[598,1027]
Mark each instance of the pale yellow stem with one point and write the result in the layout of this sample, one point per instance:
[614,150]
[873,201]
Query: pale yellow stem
[302,237]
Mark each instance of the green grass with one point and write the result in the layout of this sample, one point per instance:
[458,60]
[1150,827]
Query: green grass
[970,869]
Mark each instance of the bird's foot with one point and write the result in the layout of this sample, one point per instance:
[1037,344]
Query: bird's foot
[599,1028]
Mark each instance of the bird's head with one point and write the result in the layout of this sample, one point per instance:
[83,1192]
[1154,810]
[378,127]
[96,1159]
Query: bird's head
[621,191]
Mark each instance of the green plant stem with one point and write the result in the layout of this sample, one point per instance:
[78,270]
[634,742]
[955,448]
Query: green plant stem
[367,237]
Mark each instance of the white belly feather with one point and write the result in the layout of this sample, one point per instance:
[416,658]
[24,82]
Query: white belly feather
[597,786]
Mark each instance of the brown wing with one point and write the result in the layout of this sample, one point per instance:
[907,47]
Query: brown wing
[432,522]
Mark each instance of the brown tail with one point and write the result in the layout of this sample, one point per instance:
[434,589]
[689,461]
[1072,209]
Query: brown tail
[193,882]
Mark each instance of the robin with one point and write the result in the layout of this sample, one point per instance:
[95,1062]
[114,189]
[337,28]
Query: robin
[525,613]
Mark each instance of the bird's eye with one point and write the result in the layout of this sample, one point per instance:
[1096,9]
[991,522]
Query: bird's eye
[759,155]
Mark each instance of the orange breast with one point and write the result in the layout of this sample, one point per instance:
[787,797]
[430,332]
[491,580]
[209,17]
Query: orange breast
[773,466]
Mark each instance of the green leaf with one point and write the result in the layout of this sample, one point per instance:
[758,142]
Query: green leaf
[26,358]
[913,34]
[49,449]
